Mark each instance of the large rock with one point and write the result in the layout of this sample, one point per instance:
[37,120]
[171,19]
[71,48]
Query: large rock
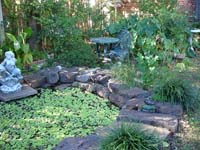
[117,100]
[23,93]
[85,75]
[134,104]
[162,133]
[167,108]
[67,76]
[35,80]
[101,79]
[102,91]
[57,68]
[79,143]
[48,76]
[115,86]
[83,78]
[85,86]
[164,108]
[52,77]
[90,71]
[133,92]
[156,119]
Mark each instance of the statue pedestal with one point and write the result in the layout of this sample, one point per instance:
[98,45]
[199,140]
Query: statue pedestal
[24,92]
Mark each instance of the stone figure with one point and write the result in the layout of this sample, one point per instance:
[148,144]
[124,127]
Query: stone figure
[10,75]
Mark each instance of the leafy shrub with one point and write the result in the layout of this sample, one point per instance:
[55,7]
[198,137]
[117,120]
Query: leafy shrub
[158,32]
[40,122]
[129,137]
[64,37]
[174,88]
[81,55]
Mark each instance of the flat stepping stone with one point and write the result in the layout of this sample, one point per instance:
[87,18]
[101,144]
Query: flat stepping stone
[167,108]
[164,108]
[161,133]
[79,143]
[24,92]
[169,122]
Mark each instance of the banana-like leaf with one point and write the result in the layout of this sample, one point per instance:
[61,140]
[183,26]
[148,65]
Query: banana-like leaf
[11,37]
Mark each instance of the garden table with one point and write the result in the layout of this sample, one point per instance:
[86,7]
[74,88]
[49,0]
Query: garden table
[106,41]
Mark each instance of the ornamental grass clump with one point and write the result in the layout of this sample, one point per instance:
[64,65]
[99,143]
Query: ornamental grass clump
[129,137]
[125,73]
[176,89]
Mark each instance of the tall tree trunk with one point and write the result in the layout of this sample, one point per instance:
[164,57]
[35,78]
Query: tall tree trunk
[2,34]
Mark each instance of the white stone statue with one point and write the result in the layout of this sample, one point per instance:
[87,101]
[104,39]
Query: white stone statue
[10,75]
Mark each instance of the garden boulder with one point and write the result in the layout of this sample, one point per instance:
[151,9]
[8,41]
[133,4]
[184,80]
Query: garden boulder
[68,75]
[102,91]
[169,122]
[89,142]
[117,100]
[133,92]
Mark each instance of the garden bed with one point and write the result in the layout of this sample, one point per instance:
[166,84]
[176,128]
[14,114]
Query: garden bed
[42,121]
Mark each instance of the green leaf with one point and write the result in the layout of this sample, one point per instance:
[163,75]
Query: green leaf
[28,31]
[11,37]
[28,58]
[25,48]
[165,144]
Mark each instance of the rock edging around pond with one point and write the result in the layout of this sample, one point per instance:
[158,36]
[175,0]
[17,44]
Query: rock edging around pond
[164,121]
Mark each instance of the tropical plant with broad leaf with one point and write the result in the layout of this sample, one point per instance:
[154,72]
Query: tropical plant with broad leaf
[20,47]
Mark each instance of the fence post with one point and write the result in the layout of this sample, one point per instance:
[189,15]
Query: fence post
[2,34]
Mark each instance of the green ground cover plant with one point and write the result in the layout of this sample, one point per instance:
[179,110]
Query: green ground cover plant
[43,121]
[129,137]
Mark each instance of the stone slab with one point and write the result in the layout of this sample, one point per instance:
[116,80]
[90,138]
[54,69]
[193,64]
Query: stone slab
[167,108]
[133,92]
[169,122]
[164,108]
[135,103]
[89,142]
[24,92]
